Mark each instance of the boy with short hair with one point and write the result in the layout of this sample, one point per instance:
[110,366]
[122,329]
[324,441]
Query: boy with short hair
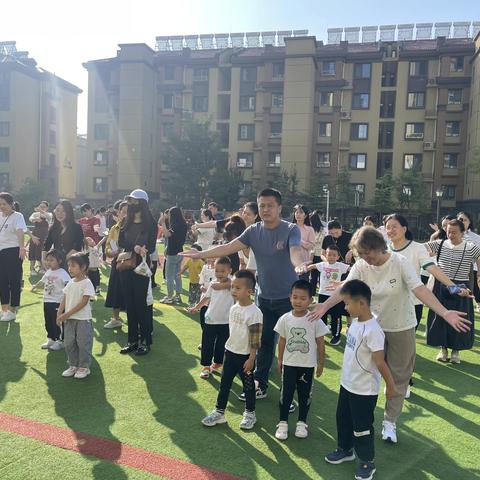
[301,348]
[245,323]
[363,365]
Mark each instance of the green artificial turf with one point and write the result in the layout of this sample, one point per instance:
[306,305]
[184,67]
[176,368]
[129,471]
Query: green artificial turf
[156,403]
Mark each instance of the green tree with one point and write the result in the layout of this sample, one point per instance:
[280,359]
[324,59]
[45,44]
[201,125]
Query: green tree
[411,192]
[31,193]
[344,196]
[474,160]
[383,200]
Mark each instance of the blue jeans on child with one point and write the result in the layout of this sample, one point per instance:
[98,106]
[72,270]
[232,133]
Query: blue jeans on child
[174,281]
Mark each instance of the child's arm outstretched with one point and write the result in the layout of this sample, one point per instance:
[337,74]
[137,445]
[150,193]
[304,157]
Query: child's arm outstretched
[196,308]
[36,285]
[281,349]
[379,359]
[223,285]
[320,355]
[185,266]
[254,339]
[66,315]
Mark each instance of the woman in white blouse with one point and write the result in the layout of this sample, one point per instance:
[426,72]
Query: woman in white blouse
[12,253]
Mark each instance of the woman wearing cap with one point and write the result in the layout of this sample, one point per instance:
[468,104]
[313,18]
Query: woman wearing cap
[12,253]
[138,236]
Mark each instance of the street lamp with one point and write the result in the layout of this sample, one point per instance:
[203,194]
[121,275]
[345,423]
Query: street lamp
[326,191]
[439,194]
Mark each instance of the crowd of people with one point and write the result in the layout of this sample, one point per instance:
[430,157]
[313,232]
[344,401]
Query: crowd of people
[259,283]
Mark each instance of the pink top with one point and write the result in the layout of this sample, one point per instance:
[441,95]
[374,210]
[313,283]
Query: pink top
[308,242]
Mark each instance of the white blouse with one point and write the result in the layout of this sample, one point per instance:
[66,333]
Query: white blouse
[9,225]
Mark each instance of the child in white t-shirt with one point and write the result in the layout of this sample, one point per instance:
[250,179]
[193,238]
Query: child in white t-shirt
[245,322]
[215,331]
[94,261]
[331,272]
[75,313]
[54,281]
[363,365]
[301,348]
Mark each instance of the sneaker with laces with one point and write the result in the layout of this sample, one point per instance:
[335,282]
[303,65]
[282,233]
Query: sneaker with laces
[113,323]
[8,316]
[455,358]
[389,432]
[167,300]
[339,456]
[301,431]
[248,421]
[205,373]
[177,299]
[442,355]
[69,372]
[259,395]
[48,344]
[215,418]
[336,340]
[82,373]
[365,471]
[57,345]
[216,368]
[282,431]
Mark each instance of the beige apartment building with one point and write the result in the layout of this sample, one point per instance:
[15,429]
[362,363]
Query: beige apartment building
[38,123]
[302,106]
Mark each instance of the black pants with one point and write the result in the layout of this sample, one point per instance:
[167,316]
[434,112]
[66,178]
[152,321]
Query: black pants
[154,271]
[301,379]
[203,311]
[476,290]
[94,276]
[418,314]
[335,316]
[134,288]
[355,423]
[213,343]
[50,314]
[232,366]
[10,276]
[314,276]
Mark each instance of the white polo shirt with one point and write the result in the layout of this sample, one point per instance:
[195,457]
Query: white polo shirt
[9,225]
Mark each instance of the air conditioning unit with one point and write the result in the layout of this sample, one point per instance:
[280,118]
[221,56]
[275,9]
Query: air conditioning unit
[345,115]
[428,145]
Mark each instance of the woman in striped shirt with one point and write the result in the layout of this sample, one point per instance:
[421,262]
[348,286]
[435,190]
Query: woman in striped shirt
[455,257]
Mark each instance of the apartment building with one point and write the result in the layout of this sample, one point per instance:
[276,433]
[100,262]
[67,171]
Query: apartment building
[297,105]
[38,125]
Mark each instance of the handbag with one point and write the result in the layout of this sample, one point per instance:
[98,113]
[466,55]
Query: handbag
[126,261]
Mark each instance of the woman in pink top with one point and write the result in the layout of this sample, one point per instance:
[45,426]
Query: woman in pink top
[301,216]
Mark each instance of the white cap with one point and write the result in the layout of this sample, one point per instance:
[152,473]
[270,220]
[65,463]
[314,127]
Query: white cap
[138,194]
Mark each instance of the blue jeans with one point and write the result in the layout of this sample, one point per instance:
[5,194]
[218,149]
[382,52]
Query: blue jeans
[272,310]
[171,275]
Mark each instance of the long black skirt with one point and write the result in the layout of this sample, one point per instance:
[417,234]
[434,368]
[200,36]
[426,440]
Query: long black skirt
[439,332]
[115,297]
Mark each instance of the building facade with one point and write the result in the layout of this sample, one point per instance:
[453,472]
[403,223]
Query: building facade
[305,107]
[38,125]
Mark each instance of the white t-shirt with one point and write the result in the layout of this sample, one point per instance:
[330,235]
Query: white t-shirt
[418,256]
[391,285]
[54,282]
[94,256]
[300,335]
[219,306]
[74,292]
[205,237]
[8,229]
[240,319]
[360,375]
[207,275]
[330,272]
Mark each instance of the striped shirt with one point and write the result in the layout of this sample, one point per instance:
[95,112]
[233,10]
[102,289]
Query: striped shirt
[451,256]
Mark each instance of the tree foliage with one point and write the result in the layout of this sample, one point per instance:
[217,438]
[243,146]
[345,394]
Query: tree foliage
[383,201]
[31,193]
[411,192]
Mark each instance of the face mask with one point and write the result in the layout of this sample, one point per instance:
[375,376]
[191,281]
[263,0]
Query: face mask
[135,208]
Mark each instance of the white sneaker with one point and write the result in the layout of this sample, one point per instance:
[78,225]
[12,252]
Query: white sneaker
[69,372]
[48,344]
[282,431]
[302,430]
[248,421]
[167,300]
[215,418]
[389,432]
[408,392]
[8,316]
[442,355]
[113,323]
[57,345]
[455,358]
[82,373]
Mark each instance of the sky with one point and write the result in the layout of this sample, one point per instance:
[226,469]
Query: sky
[62,34]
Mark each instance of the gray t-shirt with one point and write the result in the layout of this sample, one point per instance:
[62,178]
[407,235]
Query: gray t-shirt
[271,247]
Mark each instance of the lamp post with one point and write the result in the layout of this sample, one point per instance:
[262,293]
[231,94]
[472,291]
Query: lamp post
[439,194]
[326,191]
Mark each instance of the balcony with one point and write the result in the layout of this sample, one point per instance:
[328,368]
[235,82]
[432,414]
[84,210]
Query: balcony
[344,145]
[430,114]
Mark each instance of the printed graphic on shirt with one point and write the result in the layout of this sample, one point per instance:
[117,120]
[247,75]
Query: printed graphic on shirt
[351,341]
[332,274]
[297,341]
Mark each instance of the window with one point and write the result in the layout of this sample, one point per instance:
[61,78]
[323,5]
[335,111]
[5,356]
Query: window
[418,69]
[455,96]
[449,192]
[200,104]
[416,100]
[325,129]
[52,138]
[277,100]
[412,161]
[413,131]
[101,131]
[450,160]
[276,129]
[53,115]
[4,129]
[200,74]
[326,99]
[389,74]
[358,131]
[362,70]
[360,100]
[244,160]
[245,189]
[247,103]
[99,184]
[359,193]
[100,157]
[246,131]
[385,134]
[274,159]
[169,72]
[323,159]
[456,64]
[328,68]
[384,163]
[167,130]
[168,101]
[407,190]
[452,129]
[278,70]
[4,154]
[387,104]
[248,74]
[357,161]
